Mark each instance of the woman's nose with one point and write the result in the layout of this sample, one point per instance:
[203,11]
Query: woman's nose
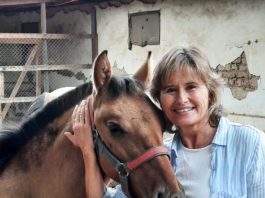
[182,97]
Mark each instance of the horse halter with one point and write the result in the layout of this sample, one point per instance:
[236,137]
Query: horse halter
[125,168]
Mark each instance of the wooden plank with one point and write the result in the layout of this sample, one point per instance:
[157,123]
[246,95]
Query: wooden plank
[94,33]
[23,2]
[46,36]
[72,67]
[2,88]
[20,80]
[46,81]
[2,85]
[38,75]
[16,99]
[43,18]
[18,41]
[38,83]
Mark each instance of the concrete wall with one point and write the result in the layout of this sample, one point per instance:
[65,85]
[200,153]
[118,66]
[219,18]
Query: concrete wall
[222,29]
[231,33]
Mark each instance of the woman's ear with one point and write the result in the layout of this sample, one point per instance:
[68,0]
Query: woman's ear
[102,70]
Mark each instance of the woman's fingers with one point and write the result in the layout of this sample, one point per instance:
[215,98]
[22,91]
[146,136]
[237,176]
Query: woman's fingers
[90,111]
[79,114]
[82,112]
[81,125]
[71,137]
[86,112]
[74,113]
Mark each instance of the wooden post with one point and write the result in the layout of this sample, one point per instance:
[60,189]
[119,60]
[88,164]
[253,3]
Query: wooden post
[2,93]
[20,80]
[94,33]
[44,47]
[38,74]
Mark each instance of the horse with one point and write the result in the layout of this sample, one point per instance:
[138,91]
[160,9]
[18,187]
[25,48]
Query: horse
[37,160]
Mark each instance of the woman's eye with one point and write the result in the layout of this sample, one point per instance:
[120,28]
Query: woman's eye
[191,87]
[169,90]
[115,129]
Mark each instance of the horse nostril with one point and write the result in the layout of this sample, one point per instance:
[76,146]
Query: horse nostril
[160,195]
[179,195]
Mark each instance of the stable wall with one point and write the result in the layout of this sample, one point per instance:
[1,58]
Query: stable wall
[222,29]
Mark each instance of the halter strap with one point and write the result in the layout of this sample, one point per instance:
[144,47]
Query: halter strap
[124,169]
[148,155]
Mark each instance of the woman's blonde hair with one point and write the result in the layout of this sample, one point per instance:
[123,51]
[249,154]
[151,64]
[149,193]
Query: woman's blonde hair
[190,59]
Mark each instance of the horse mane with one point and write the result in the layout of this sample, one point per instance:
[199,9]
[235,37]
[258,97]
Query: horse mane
[12,139]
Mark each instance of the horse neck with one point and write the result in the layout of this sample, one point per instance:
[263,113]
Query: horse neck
[47,169]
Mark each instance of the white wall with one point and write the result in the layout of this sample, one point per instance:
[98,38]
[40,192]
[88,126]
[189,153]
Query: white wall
[75,22]
[222,29]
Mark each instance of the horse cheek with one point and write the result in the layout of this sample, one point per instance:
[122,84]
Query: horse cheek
[107,169]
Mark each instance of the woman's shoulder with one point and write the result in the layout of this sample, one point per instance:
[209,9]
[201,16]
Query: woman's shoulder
[242,133]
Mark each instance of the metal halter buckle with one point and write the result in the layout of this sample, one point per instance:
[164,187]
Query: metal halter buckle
[123,170]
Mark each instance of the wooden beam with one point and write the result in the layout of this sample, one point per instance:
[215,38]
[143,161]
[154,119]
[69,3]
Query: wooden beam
[43,18]
[73,67]
[38,75]
[46,80]
[46,36]
[18,41]
[20,80]
[24,2]
[16,100]
[2,88]
[94,33]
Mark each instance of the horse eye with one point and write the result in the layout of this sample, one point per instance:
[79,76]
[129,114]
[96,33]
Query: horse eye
[115,129]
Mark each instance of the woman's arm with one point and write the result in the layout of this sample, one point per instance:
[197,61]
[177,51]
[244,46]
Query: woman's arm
[82,120]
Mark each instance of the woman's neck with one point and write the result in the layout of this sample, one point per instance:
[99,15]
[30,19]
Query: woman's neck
[197,137]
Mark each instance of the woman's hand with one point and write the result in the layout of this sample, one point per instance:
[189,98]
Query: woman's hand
[82,122]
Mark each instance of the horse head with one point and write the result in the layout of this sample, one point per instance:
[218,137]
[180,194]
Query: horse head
[130,129]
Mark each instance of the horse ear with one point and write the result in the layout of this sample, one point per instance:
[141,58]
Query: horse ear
[144,72]
[102,70]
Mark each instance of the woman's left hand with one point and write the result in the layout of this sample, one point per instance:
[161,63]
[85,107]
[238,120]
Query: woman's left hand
[82,121]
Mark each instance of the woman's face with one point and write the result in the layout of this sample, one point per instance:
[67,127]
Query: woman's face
[184,99]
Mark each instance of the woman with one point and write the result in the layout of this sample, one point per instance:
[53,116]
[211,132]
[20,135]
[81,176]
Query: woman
[211,156]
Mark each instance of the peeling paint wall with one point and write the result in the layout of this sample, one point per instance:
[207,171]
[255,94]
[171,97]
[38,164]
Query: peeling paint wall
[238,78]
[231,33]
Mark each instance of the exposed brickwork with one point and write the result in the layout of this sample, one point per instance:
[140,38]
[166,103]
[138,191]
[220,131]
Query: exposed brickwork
[238,78]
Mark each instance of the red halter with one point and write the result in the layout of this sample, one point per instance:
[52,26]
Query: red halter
[148,155]
[124,169]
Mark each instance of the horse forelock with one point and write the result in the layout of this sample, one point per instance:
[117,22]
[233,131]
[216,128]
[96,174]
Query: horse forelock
[118,86]
[38,128]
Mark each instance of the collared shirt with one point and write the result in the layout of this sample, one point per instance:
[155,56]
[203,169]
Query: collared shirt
[237,163]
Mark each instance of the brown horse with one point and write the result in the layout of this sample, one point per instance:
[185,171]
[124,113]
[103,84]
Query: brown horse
[38,161]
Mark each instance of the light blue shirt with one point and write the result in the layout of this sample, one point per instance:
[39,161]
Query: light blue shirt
[237,164]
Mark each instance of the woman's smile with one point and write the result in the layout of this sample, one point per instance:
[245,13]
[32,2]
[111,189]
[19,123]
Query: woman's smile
[185,99]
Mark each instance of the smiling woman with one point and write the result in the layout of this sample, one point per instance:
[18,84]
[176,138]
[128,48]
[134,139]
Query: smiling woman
[226,159]
[211,156]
